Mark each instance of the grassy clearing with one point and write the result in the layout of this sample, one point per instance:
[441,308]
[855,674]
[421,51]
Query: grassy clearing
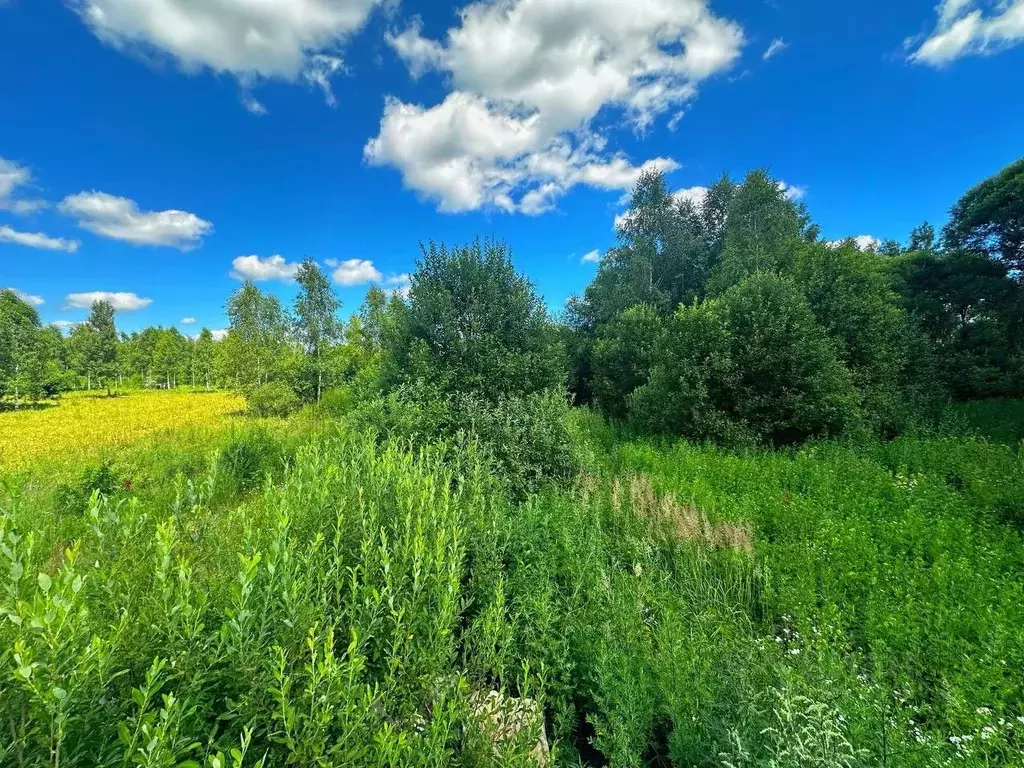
[87,423]
[312,596]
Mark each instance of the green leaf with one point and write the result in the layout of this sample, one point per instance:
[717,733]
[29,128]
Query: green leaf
[45,582]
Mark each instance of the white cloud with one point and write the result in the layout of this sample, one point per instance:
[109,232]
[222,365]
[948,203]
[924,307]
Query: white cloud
[695,195]
[867,242]
[37,240]
[187,321]
[792,191]
[121,301]
[592,257]
[12,176]
[528,80]
[28,298]
[778,45]
[353,271]
[65,324]
[220,334]
[271,268]
[249,39]
[319,73]
[964,30]
[119,218]
[398,284]
[863,242]
[252,104]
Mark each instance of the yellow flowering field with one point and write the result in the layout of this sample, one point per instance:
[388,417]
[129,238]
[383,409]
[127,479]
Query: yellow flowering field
[81,423]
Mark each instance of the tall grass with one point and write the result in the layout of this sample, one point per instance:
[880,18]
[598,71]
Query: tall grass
[332,600]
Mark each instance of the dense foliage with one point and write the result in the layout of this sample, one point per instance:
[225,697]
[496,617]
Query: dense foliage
[728,318]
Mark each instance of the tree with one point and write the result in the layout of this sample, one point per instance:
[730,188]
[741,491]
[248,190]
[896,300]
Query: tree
[373,314]
[474,324]
[21,366]
[102,351]
[625,352]
[966,304]
[762,229]
[922,238]
[203,356]
[170,357]
[693,380]
[668,247]
[257,334]
[752,365]
[849,292]
[989,219]
[316,323]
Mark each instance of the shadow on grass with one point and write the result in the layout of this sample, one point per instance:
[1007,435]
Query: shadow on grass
[6,407]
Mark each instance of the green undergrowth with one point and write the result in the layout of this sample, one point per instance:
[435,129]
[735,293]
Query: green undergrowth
[318,596]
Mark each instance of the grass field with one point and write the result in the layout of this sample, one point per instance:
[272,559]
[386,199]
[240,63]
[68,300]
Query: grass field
[87,423]
[308,595]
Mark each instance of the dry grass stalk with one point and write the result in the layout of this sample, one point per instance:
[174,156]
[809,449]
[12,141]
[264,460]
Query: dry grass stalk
[681,521]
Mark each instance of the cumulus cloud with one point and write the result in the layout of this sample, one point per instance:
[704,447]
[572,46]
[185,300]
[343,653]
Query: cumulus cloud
[270,268]
[28,298]
[591,257]
[66,324]
[119,218]
[122,301]
[398,284]
[219,334]
[778,45]
[528,81]
[792,191]
[188,321]
[863,242]
[12,176]
[37,240]
[963,29]
[353,271]
[281,39]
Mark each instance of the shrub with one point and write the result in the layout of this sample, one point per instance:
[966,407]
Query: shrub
[272,399]
[754,364]
[474,324]
[692,385]
[623,357]
[248,457]
[527,438]
[72,498]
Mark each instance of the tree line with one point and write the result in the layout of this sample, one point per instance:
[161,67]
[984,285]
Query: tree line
[728,318]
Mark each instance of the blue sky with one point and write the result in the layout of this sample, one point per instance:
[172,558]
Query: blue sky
[152,150]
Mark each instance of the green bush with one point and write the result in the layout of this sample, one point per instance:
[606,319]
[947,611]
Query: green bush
[248,457]
[751,365]
[72,498]
[527,438]
[625,351]
[275,398]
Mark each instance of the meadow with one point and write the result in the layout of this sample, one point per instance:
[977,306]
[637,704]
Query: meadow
[303,592]
[92,422]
